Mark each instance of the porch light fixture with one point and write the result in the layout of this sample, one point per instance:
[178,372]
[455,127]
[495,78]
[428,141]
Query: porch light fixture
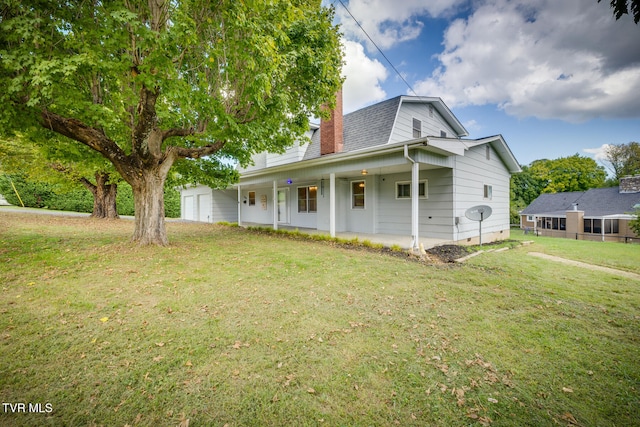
[364,171]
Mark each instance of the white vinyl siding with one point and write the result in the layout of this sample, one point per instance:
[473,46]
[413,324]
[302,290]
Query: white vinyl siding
[436,221]
[291,155]
[201,203]
[431,126]
[473,172]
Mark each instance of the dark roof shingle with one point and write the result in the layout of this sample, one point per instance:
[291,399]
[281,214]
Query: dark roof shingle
[364,128]
[594,202]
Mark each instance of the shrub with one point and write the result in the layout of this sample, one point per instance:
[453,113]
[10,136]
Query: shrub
[35,194]
[635,223]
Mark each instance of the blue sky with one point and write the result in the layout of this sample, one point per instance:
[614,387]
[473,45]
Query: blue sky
[555,78]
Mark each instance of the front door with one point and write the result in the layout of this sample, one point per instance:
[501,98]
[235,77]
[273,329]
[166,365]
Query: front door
[283,208]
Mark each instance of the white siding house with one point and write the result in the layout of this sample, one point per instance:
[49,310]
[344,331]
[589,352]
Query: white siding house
[402,168]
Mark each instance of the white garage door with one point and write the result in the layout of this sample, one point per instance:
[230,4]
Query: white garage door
[204,208]
[188,208]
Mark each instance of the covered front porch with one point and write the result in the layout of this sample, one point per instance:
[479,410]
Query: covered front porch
[401,196]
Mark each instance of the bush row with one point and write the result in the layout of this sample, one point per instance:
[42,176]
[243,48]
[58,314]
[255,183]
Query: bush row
[36,194]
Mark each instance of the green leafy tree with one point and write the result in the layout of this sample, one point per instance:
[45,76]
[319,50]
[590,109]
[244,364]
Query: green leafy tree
[624,160]
[63,164]
[153,84]
[623,7]
[573,173]
[635,223]
[524,190]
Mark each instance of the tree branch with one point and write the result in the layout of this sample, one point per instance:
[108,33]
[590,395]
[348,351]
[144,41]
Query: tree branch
[79,131]
[196,153]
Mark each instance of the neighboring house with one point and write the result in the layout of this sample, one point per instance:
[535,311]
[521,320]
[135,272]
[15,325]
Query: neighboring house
[399,167]
[596,214]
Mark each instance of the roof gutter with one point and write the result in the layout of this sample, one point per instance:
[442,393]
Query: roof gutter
[406,153]
[338,157]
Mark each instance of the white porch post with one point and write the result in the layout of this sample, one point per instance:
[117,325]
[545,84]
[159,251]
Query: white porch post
[332,205]
[275,205]
[239,206]
[415,207]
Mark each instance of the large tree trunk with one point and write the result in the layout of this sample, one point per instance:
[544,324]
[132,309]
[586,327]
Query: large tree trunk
[148,196]
[104,196]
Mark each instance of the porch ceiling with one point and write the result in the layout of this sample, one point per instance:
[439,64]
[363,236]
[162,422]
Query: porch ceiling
[308,176]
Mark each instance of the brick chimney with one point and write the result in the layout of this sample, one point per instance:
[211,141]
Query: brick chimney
[630,184]
[331,131]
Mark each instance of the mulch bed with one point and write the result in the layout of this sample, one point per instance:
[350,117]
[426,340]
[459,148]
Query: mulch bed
[449,253]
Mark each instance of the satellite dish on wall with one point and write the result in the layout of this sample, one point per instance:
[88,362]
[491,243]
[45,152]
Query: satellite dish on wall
[479,213]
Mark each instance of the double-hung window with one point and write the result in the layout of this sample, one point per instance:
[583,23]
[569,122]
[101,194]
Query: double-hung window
[308,199]
[357,194]
[417,128]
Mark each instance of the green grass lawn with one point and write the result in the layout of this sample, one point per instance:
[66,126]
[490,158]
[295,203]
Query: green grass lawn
[608,254]
[230,327]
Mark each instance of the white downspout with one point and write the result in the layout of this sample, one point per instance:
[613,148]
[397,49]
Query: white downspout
[415,207]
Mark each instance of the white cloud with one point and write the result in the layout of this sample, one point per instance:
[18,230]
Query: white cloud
[389,22]
[600,153]
[472,125]
[543,58]
[363,78]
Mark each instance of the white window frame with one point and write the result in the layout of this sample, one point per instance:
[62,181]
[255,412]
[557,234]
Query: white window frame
[364,195]
[421,196]
[251,198]
[416,130]
[308,198]
[488,191]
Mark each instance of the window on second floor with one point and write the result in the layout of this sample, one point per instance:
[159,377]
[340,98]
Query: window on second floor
[417,128]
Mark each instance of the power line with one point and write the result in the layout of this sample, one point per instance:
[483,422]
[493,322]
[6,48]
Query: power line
[377,47]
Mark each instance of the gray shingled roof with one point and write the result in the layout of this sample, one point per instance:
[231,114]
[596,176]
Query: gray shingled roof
[364,128]
[594,202]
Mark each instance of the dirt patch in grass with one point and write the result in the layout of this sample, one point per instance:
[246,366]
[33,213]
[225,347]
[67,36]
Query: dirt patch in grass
[449,253]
